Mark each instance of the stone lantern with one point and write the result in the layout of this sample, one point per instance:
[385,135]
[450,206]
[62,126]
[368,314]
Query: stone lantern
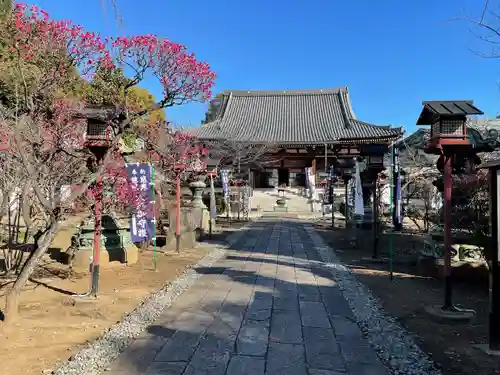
[374,156]
[346,169]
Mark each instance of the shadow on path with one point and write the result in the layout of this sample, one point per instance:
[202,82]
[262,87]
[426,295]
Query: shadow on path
[268,307]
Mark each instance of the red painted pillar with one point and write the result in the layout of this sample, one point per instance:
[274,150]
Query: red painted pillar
[97,236]
[447,180]
[178,213]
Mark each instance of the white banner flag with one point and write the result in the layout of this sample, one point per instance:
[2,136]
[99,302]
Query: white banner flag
[359,209]
[213,207]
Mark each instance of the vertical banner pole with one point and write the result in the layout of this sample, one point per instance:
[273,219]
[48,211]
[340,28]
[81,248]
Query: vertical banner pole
[331,193]
[391,210]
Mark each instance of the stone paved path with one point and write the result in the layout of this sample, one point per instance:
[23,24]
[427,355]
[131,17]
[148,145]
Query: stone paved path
[268,308]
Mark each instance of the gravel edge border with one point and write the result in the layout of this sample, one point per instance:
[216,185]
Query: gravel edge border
[394,346]
[98,354]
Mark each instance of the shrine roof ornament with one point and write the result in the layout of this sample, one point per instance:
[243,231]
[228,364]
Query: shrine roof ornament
[314,117]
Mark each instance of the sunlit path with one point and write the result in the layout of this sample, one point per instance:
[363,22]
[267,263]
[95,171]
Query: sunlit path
[269,307]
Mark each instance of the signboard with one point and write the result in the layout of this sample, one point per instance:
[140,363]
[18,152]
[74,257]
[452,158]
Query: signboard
[142,223]
[350,193]
[246,201]
[225,183]
[359,208]
[293,163]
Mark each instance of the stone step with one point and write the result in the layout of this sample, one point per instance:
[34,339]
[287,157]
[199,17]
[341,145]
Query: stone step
[266,200]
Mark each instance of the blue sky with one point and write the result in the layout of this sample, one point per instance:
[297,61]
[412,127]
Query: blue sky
[392,54]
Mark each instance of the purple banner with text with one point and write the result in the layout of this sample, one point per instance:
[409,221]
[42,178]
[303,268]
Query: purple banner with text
[142,221]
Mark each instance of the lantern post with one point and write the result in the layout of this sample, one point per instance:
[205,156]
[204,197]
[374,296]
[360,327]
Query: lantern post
[98,139]
[185,163]
[448,138]
[375,164]
[346,170]
[98,144]
[178,171]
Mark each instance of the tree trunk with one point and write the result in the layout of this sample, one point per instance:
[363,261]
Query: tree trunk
[42,245]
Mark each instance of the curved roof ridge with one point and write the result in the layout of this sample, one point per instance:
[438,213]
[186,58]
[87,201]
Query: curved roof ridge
[375,125]
[349,104]
[294,116]
[225,101]
[344,107]
[319,91]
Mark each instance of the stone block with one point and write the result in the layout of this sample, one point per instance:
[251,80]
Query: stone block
[166,368]
[322,350]
[344,328]
[252,338]
[241,365]
[189,329]
[366,369]
[358,351]
[286,359]
[83,258]
[314,314]
[187,241]
[192,218]
[138,356]
[286,327]
[131,255]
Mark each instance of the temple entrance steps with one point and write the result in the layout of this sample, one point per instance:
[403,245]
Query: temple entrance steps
[264,200]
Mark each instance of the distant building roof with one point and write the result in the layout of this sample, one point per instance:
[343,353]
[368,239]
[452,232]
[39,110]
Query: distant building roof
[309,117]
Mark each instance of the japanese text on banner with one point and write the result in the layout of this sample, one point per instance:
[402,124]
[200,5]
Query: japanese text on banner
[142,221]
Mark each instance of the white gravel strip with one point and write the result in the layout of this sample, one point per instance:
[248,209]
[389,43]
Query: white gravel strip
[393,344]
[96,356]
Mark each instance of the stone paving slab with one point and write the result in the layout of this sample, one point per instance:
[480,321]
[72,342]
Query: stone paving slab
[269,307]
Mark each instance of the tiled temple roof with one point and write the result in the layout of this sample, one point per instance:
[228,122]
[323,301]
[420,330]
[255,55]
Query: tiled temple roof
[305,117]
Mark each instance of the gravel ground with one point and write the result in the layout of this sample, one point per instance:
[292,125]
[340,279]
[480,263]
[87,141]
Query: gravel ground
[395,347]
[96,356]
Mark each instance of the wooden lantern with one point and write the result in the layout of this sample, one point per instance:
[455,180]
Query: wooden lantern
[448,121]
[99,133]
[374,155]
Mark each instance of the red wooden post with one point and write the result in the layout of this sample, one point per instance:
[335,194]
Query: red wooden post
[448,304]
[178,212]
[97,237]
